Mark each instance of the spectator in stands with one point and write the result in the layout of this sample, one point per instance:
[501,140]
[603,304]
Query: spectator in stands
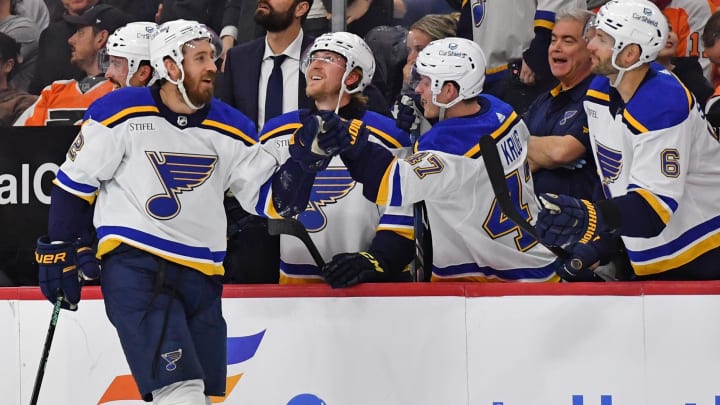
[421,33]
[64,102]
[208,12]
[339,219]
[559,150]
[710,38]
[54,50]
[12,101]
[407,12]
[35,10]
[687,69]
[128,49]
[363,15]
[27,33]
[517,57]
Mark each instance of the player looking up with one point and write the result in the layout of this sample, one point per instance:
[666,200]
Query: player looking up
[338,67]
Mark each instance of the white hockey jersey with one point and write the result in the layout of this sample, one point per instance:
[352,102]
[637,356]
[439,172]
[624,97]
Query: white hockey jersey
[472,239]
[160,177]
[659,146]
[338,218]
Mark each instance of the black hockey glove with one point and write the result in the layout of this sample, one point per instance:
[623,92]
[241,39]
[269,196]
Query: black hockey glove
[585,257]
[565,220]
[349,269]
[61,266]
[314,144]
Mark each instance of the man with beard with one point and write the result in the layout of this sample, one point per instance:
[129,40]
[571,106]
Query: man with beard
[652,147]
[248,66]
[63,102]
[253,255]
[129,55]
[154,163]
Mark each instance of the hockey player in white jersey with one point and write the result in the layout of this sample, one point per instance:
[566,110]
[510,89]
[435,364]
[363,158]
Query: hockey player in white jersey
[155,163]
[339,219]
[654,153]
[128,50]
[471,239]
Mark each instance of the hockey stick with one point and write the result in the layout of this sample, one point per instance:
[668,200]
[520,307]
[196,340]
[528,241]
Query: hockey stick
[494,168]
[46,348]
[293,227]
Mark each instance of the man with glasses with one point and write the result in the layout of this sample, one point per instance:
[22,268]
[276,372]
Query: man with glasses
[339,66]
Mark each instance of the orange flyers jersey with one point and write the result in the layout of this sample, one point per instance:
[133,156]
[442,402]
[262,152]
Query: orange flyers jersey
[63,103]
[687,18]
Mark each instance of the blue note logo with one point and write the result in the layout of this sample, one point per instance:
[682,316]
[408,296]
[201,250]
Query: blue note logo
[478,12]
[330,186]
[178,173]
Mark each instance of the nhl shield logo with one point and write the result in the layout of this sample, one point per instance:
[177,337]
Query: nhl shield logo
[182,120]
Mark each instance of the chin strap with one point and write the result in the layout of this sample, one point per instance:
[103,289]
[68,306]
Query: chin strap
[181,86]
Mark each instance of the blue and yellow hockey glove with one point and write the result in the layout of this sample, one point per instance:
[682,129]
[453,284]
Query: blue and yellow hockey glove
[61,265]
[564,220]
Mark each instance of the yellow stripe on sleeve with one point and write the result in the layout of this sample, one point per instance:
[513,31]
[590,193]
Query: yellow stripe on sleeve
[654,202]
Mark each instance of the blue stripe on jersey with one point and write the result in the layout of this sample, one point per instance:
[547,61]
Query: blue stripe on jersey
[385,130]
[73,185]
[189,252]
[284,124]
[121,104]
[299,269]
[396,199]
[545,19]
[643,113]
[671,202]
[692,236]
[459,136]
[263,198]
[388,219]
[472,269]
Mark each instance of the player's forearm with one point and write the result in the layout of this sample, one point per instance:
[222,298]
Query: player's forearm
[70,217]
[632,216]
[370,168]
[394,250]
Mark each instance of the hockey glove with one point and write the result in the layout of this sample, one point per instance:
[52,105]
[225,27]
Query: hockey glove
[349,269]
[310,146]
[564,220]
[585,257]
[406,114]
[58,270]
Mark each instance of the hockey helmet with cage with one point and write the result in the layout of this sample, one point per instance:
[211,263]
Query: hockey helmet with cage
[633,22]
[458,60]
[132,42]
[356,52]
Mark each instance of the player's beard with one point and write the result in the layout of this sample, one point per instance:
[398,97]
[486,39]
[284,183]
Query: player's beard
[274,21]
[604,68]
[197,91]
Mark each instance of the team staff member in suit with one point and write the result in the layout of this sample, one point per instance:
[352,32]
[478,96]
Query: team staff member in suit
[248,66]
[339,67]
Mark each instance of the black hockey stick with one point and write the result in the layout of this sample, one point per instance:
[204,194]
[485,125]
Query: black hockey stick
[46,348]
[494,168]
[293,227]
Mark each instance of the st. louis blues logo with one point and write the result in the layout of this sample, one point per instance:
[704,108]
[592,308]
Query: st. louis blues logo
[610,162]
[330,185]
[172,358]
[478,11]
[178,172]
[567,116]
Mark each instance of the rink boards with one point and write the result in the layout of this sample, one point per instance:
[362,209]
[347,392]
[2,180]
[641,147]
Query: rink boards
[416,344]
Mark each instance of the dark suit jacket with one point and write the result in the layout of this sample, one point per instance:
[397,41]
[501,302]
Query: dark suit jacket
[239,84]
